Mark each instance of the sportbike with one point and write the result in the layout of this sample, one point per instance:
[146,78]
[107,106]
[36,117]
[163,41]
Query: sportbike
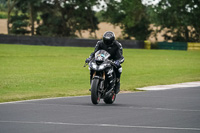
[99,80]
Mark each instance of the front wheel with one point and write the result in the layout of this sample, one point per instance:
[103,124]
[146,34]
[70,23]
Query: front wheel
[95,95]
[110,99]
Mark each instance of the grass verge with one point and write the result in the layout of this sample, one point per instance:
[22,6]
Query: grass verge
[30,72]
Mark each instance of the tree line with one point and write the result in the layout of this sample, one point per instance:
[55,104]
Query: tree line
[53,17]
[179,19]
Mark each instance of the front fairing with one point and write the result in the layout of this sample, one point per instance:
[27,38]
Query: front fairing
[101,67]
[100,61]
[101,55]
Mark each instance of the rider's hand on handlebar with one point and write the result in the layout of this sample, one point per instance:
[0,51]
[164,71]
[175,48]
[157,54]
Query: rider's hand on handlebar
[87,60]
[117,63]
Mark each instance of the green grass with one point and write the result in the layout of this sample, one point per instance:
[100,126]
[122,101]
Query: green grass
[29,72]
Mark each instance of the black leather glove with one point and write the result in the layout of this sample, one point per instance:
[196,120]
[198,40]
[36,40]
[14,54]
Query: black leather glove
[117,63]
[87,60]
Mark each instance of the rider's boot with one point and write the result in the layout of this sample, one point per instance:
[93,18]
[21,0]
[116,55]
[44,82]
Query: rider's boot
[118,72]
[117,86]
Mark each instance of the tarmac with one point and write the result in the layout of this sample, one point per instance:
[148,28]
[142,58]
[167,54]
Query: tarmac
[174,110]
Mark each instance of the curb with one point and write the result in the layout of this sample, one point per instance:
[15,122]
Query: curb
[172,86]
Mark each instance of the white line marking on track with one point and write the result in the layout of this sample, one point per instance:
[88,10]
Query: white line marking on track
[101,125]
[172,86]
[168,109]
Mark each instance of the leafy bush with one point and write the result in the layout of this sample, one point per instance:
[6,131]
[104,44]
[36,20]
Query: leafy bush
[154,46]
[20,24]
[3,15]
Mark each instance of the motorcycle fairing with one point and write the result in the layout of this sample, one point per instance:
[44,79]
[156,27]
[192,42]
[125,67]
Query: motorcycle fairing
[101,67]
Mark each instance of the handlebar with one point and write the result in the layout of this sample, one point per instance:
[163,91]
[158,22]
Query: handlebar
[111,62]
[85,64]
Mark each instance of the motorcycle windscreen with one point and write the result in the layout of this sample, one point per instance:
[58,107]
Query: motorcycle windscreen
[101,55]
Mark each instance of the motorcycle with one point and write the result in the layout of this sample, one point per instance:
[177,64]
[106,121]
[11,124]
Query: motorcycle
[99,80]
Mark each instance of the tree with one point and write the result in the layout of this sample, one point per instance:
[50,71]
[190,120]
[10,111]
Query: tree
[65,17]
[86,18]
[25,8]
[10,4]
[131,16]
[3,5]
[57,17]
[33,9]
[180,18]
[19,24]
[20,19]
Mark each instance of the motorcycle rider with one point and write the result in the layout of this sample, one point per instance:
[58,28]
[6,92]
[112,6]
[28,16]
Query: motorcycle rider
[114,48]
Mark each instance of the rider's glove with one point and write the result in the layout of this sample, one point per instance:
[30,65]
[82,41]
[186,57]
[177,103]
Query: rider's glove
[117,63]
[87,60]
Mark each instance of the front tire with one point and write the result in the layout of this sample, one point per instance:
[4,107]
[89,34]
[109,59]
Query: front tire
[95,96]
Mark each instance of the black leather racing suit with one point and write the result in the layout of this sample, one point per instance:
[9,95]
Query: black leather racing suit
[116,53]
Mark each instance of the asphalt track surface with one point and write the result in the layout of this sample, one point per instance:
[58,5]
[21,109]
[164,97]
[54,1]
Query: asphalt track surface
[165,111]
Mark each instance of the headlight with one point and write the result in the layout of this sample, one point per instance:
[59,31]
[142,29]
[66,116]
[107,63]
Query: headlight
[101,67]
[94,66]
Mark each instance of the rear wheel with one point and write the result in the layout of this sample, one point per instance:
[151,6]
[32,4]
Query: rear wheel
[95,95]
[110,99]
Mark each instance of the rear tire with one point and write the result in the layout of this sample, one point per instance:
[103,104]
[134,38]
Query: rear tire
[95,96]
[110,99]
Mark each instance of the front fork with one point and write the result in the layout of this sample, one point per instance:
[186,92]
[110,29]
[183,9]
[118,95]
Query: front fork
[101,84]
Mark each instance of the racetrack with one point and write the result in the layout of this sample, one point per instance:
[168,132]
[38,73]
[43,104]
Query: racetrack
[165,111]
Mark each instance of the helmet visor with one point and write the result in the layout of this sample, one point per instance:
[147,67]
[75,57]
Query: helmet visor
[107,41]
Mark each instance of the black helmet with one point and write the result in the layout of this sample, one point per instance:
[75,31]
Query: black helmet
[108,38]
